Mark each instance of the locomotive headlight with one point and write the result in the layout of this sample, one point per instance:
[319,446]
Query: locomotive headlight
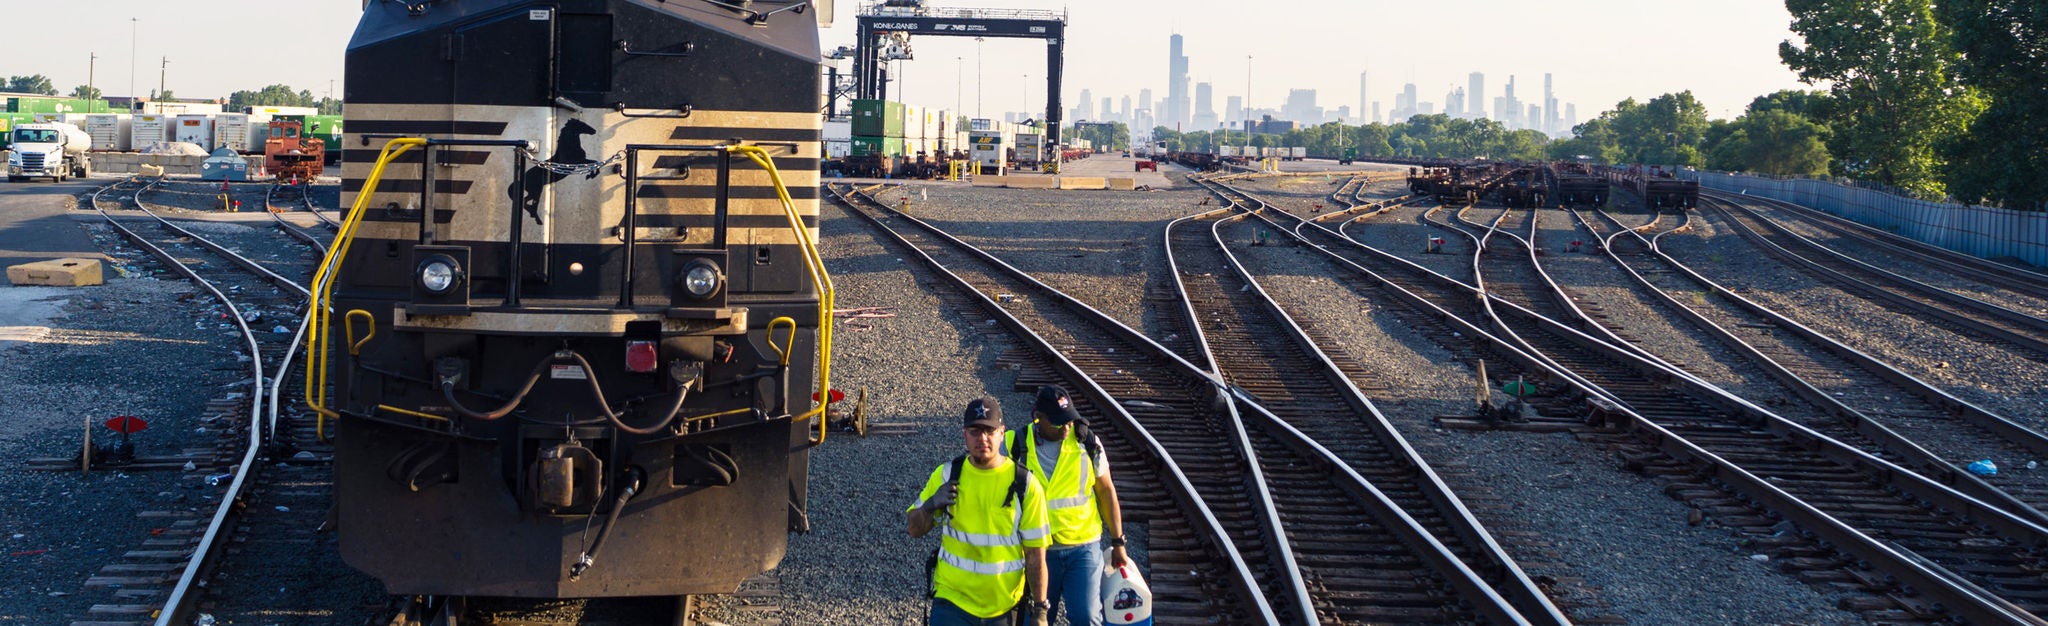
[439,274]
[701,279]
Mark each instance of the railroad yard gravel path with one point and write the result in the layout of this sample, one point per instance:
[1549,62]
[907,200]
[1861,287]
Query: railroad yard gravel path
[1998,380]
[1614,529]
[1401,231]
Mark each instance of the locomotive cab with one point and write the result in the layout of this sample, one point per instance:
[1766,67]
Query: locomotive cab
[576,316]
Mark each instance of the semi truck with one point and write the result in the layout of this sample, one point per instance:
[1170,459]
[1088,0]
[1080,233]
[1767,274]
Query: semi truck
[51,150]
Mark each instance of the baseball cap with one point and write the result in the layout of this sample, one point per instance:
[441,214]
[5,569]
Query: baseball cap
[1057,407]
[983,411]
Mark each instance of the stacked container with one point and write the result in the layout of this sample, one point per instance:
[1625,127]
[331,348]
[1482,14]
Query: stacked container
[194,128]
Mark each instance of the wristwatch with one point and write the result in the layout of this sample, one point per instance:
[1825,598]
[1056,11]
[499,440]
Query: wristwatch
[1116,542]
[1040,606]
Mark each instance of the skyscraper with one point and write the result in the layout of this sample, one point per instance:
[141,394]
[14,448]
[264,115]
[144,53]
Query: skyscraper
[1550,112]
[1375,111]
[1301,107]
[1128,114]
[1475,105]
[1363,98]
[1176,109]
[1454,103]
[1205,107]
[1145,101]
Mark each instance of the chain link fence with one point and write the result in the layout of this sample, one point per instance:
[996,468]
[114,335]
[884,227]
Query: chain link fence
[2001,234]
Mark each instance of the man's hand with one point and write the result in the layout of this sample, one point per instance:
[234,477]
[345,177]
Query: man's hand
[1118,558]
[1038,614]
[943,498]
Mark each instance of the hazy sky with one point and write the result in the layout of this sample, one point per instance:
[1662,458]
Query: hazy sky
[1600,51]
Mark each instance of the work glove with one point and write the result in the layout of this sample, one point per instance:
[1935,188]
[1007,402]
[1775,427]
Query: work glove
[944,498]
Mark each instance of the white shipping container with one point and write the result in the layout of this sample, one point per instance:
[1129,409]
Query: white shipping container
[1299,152]
[838,148]
[176,108]
[839,130]
[276,111]
[110,131]
[150,129]
[981,123]
[194,128]
[236,131]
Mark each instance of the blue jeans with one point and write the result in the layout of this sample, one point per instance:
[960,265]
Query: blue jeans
[945,614]
[1074,579]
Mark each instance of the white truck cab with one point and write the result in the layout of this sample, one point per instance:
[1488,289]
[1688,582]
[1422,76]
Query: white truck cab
[52,150]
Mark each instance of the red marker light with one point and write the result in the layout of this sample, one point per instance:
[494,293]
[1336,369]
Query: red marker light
[125,424]
[835,394]
[640,356]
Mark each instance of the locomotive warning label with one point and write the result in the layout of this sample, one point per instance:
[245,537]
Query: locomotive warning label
[567,372]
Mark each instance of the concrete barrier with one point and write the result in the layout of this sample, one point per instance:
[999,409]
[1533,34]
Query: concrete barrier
[1122,184]
[991,181]
[1084,183]
[59,273]
[1032,182]
[131,163]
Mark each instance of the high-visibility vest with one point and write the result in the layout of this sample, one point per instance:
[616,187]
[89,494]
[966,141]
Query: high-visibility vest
[981,548]
[1069,489]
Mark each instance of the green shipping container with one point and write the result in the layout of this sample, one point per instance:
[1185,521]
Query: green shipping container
[32,104]
[7,123]
[877,118]
[877,146]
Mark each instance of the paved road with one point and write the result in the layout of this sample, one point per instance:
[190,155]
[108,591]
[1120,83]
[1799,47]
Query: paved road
[34,225]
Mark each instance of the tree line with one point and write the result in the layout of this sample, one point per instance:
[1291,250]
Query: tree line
[273,95]
[1945,99]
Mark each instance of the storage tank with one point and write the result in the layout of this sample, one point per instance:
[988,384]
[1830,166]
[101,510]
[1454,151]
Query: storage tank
[150,129]
[110,131]
[194,128]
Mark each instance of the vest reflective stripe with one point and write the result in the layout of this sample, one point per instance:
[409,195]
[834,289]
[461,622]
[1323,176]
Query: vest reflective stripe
[980,540]
[978,567]
[1067,503]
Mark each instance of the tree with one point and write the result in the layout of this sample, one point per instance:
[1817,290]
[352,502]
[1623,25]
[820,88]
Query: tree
[1775,142]
[2004,53]
[1891,70]
[83,92]
[274,95]
[35,83]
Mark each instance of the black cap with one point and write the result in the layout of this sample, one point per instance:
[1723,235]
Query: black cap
[1057,407]
[983,411]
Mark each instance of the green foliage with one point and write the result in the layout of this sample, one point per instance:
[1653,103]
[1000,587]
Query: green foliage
[1773,141]
[1115,136]
[1422,135]
[274,95]
[2004,53]
[1669,129]
[1892,74]
[329,106]
[85,93]
[34,83]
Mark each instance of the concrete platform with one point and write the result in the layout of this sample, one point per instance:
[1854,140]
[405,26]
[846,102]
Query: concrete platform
[1113,166]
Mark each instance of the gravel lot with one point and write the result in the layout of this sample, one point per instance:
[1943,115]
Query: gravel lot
[1614,529]
[1998,380]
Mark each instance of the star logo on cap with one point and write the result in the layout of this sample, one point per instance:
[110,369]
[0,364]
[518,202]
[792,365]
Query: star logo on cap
[1064,403]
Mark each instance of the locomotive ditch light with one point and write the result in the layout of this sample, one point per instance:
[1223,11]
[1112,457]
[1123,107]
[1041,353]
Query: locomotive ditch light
[697,283]
[701,279]
[440,284]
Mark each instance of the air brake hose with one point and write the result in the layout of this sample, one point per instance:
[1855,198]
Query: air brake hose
[589,557]
[448,391]
[597,392]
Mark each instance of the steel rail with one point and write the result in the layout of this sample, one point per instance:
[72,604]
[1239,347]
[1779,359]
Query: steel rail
[1918,298]
[292,229]
[1181,486]
[1491,574]
[181,603]
[1983,270]
[1971,604]
[1996,431]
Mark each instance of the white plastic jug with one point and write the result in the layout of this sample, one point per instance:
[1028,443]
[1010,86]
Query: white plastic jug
[1126,599]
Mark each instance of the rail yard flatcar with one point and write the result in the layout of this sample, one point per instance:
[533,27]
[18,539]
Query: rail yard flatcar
[574,341]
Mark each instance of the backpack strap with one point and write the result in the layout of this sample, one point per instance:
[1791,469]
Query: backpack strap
[1088,440]
[931,563]
[953,469]
[1021,447]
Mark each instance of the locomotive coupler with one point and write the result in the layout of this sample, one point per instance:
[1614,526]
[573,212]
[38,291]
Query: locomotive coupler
[567,475]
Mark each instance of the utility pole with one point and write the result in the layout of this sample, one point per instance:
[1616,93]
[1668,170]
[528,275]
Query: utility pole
[133,26]
[959,71]
[92,67]
[977,77]
[161,73]
[1247,100]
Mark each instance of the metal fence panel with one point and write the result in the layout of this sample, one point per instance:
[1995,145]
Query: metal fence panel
[1980,231]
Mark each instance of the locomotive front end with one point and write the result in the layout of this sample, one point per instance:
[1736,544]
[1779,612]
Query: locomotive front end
[575,313]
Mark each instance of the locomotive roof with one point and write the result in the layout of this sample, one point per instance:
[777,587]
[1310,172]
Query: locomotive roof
[791,32]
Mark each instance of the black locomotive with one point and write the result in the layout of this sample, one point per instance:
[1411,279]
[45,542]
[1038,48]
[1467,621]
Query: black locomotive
[572,309]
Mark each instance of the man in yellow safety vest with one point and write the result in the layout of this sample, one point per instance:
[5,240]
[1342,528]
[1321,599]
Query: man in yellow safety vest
[1068,459]
[994,530]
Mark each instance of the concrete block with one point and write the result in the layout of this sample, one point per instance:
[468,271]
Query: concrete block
[1032,182]
[1122,184]
[991,181]
[1083,182]
[57,273]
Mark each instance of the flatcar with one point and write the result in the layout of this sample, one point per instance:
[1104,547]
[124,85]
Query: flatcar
[570,343]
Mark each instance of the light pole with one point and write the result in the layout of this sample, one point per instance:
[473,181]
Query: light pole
[164,72]
[133,26]
[959,70]
[977,77]
[1027,95]
[92,67]
[1247,101]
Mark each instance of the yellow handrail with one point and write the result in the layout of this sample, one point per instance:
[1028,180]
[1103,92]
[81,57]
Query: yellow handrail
[323,284]
[818,276]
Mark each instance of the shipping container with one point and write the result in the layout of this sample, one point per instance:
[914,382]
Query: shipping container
[54,104]
[981,123]
[7,123]
[838,148]
[176,108]
[194,128]
[275,111]
[237,131]
[151,129]
[838,130]
[110,132]
[877,118]
[877,146]
[1298,152]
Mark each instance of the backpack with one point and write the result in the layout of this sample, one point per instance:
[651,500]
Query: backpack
[1018,486]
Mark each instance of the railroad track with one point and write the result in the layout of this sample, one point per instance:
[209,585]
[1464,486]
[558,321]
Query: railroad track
[1918,550]
[1839,391]
[280,200]
[1992,276]
[1265,355]
[1209,514]
[257,302]
[2024,334]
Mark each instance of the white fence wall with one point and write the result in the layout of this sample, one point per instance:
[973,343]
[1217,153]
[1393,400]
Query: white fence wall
[1981,231]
